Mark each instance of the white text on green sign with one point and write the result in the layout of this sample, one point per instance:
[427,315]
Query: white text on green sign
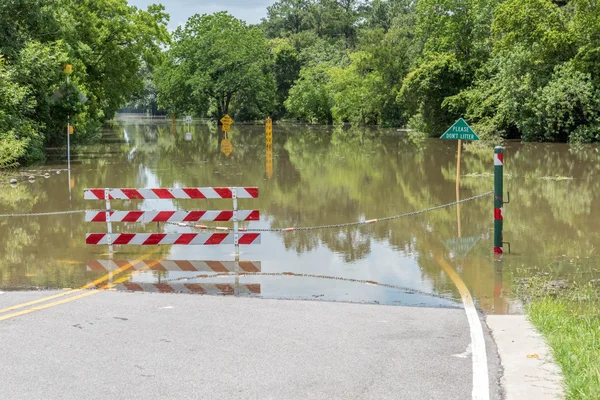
[460,131]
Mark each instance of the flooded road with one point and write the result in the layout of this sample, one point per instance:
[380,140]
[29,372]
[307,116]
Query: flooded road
[313,176]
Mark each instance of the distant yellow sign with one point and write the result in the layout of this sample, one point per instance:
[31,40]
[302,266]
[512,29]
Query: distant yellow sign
[226,120]
[226,127]
[226,147]
[68,69]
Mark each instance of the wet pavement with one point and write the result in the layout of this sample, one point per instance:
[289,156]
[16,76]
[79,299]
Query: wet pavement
[152,346]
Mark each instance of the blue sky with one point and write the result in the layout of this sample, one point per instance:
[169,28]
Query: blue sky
[180,10]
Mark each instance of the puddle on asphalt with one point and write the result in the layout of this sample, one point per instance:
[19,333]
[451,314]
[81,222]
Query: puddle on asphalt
[284,285]
[314,176]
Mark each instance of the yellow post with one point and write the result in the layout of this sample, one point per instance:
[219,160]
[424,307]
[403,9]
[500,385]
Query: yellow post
[269,147]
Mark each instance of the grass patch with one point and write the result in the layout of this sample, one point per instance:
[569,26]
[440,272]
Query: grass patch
[568,316]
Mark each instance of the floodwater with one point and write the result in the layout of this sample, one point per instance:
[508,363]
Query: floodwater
[313,176]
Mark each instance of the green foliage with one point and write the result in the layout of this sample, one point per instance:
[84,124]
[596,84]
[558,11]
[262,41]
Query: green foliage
[106,41]
[214,61]
[534,85]
[568,317]
[425,88]
[525,69]
[286,16]
[286,70]
[17,129]
[358,91]
[309,98]
[517,68]
[568,106]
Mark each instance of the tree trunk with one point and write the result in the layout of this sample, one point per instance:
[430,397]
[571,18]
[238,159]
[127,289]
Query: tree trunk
[223,106]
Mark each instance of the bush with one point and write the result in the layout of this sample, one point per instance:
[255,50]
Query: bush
[18,133]
[566,109]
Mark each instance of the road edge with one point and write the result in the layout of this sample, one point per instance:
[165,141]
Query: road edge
[528,369]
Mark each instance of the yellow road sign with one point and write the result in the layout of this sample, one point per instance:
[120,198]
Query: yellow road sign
[226,127]
[226,147]
[226,120]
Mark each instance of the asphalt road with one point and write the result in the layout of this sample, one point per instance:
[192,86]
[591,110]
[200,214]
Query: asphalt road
[154,346]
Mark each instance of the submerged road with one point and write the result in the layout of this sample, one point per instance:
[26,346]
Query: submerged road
[156,346]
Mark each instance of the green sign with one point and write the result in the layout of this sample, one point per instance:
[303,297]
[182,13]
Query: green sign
[460,131]
[460,247]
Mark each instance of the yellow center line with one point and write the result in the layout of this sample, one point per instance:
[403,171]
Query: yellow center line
[84,287]
[48,305]
[39,300]
[81,296]
[456,279]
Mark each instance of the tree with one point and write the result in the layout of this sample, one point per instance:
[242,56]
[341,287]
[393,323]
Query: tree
[425,88]
[286,69]
[286,17]
[516,88]
[17,129]
[106,41]
[358,91]
[111,42]
[218,58]
[310,99]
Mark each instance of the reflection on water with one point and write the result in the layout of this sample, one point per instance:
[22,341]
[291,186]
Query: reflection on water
[315,176]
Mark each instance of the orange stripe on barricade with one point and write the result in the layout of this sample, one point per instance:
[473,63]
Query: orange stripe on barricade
[191,288]
[217,266]
[164,288]
[175,265]
[134,287]
[249,266]
[226,289]
[195,288]
[254,287]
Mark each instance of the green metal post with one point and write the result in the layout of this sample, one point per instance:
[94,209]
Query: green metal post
[498,199]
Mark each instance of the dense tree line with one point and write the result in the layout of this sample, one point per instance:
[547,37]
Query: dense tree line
[107,42]
[514,68]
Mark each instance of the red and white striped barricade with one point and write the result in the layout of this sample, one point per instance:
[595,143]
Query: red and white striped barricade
[170,273]
[175,266]
[144,239]
[191,288]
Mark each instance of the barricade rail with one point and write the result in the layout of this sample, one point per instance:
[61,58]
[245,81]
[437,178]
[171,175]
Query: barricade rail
[174,265]
[147,239]
[170,217]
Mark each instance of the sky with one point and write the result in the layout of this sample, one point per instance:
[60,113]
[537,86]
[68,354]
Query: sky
[250,11]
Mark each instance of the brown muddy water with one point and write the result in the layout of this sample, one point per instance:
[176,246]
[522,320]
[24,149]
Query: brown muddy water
[319,175]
